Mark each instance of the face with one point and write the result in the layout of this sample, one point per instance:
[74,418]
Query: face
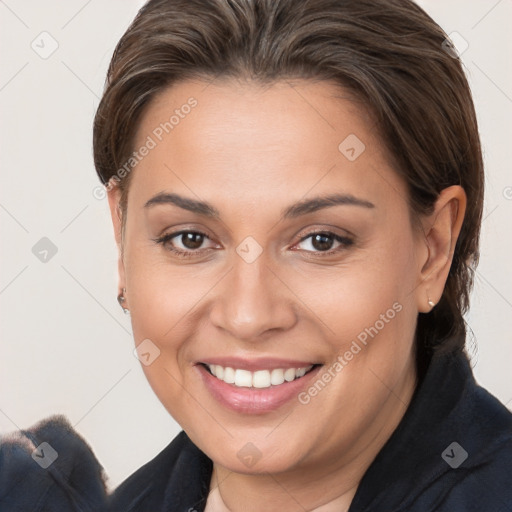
[268,240]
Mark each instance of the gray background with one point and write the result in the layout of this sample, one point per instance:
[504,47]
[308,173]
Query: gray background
[66,347]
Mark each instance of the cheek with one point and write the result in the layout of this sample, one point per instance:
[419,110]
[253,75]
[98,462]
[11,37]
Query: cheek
[365,291]
[368,316]
[163,312]
[162,299]
[161,293]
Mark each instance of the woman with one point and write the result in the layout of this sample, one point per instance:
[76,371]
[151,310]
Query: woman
[296,190]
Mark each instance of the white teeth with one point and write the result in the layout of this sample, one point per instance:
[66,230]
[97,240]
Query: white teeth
[229,375]
[277,377]
[258,379]
[289,374]
[300,372]
[243,378]
[261,379]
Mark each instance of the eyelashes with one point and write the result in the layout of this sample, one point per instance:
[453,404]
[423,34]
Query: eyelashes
[321,237]
[166,240]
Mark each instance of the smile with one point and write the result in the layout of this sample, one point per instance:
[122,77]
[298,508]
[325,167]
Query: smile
[258,379]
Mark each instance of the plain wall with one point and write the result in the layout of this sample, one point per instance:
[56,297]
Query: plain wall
[66,346]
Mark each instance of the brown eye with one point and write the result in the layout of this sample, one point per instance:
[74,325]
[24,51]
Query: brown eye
[322,242]
[184,243]
[192,240]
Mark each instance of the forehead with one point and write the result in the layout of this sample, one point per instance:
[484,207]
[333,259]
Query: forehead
[231,139]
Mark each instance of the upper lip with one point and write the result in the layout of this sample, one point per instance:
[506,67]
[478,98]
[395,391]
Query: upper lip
[254,364]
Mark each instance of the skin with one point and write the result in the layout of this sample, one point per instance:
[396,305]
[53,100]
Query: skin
[251,151]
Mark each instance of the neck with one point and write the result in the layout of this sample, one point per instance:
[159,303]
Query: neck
[329,486]
[266,493]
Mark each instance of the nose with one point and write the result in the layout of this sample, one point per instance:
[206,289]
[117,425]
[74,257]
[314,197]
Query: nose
[252,301]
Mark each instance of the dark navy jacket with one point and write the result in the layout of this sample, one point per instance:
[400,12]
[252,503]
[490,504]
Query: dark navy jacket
[452,452]
[50,468]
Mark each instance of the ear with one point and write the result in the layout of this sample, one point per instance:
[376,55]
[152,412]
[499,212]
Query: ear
[114,198]
[440,232]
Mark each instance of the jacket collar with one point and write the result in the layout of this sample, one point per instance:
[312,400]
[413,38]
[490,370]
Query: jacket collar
[437,434]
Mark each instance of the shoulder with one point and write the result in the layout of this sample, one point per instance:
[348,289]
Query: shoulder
[452,451]
[179,476]
[49,467]
[480,456]
[474,441]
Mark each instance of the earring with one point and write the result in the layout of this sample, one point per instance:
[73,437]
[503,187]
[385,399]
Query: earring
[122,299]
[431,303]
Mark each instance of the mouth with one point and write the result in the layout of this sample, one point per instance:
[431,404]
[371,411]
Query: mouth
[256,387]
[259,379]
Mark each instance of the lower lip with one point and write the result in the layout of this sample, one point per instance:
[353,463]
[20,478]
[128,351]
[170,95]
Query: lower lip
[254,400]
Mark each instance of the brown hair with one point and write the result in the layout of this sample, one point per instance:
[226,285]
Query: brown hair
[390,53]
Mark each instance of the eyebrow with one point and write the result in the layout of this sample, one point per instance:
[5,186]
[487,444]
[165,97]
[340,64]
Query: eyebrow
[295,210]
[192,205]
[318,203]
